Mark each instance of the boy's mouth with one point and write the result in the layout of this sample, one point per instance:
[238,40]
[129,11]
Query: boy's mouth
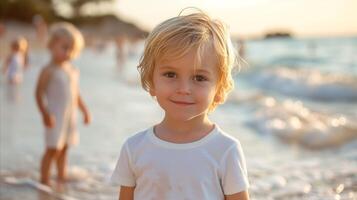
[182,103]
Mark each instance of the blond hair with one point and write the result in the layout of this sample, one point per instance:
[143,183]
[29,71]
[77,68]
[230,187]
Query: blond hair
[20,43]
[68,31]
[177,36]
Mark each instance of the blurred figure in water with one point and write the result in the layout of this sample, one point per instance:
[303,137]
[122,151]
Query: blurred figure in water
[134,44]
[58,98]
[16,61]
[121,52]
[41,28]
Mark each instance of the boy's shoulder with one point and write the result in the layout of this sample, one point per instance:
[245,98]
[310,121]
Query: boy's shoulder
[224,137]
[74,70]
[224,142]
[47,69]
[137,138]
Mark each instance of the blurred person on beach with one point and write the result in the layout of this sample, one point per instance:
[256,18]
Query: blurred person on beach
[41,28]
[134,45]
[17,60]
[58,98]
[186,67]
[121,52]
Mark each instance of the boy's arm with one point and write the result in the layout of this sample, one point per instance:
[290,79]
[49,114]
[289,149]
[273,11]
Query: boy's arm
[40,89]
[84,110]
[238,196]
[126,193]
[42,82]
[82,106]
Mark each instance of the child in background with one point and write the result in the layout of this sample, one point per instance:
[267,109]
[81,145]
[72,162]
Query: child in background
[17,61]
[58,98]
[186,66]
[41,28]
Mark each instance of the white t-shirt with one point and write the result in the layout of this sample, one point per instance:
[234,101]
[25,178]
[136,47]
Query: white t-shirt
[206,169]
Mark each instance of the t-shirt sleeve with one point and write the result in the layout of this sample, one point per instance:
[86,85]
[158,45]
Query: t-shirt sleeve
[234,177]
[123,174]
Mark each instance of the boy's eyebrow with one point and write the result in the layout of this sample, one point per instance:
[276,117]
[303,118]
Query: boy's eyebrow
[202,70]
[197,70]
[165,67]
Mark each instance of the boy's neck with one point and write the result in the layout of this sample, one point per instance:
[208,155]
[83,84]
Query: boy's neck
[183,131]
[60,63]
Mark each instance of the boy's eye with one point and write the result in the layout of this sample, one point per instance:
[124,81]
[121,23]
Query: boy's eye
[65,47]
[199,78]
[170,74]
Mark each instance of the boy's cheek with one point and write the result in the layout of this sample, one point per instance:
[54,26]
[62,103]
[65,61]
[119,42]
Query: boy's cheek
[152,92]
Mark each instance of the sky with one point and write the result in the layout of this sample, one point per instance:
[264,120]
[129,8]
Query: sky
[252,17]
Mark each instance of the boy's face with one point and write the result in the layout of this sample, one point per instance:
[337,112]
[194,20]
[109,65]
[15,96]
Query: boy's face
[15,47]
[184,91]
[61,49]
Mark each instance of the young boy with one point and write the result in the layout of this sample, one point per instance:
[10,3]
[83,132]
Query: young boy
[17,60]
[58,98]
[186,66]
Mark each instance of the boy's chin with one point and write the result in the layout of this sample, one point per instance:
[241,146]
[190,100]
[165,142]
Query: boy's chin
[185,117]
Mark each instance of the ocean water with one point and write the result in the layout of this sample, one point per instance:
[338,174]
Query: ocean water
[294,109]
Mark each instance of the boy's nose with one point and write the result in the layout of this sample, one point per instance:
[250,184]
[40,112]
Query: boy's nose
[184,87]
